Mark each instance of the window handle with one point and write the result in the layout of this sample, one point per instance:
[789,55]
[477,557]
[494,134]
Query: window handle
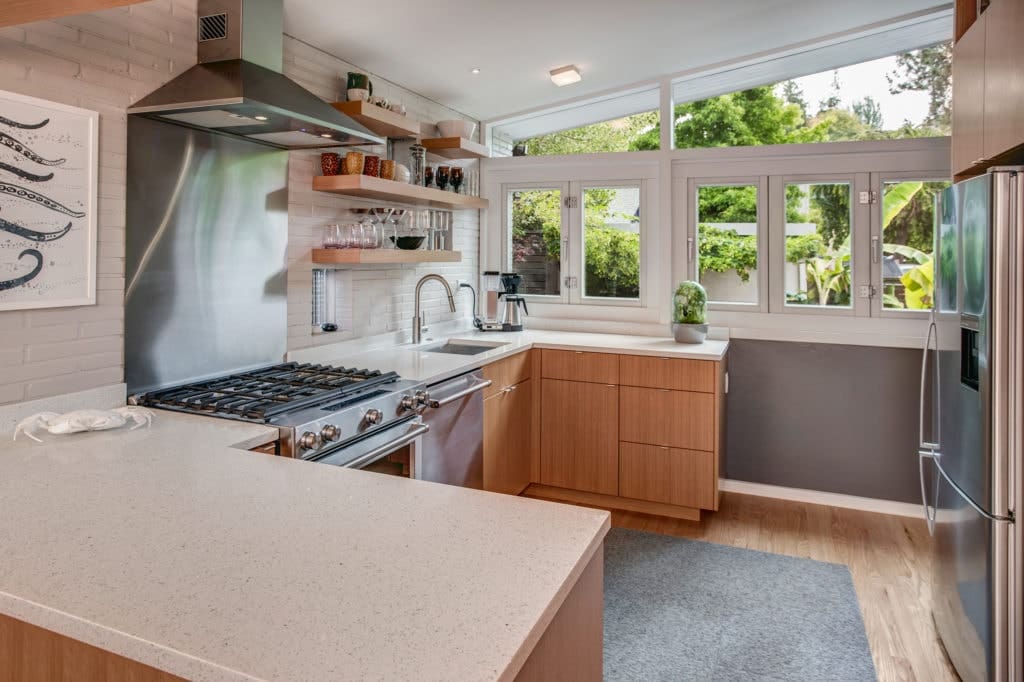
[876,249]
[689,249]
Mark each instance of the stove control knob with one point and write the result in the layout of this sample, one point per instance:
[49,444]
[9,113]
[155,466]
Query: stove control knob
[422,397]
[329,433]
[410,402]
[373,416]
[309,440]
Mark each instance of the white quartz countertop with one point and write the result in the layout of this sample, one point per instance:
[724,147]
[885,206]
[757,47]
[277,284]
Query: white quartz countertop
[412,362]
[172,547]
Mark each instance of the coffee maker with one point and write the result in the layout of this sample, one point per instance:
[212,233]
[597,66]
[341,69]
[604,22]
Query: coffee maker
[490,299]
[511,319]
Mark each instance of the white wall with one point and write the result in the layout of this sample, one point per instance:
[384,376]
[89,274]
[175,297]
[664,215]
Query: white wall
[102,61]
[373,299]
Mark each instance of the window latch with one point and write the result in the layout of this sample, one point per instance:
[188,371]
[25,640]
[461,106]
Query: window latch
[689,249]
[876,249]
[571,202]
[570,282]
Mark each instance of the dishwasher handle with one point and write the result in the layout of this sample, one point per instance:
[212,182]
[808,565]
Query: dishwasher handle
[459,395]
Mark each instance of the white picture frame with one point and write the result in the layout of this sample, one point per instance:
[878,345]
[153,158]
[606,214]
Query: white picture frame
[49,165]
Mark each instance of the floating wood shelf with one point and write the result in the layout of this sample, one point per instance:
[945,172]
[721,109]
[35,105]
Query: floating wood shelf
[379,120]
[383,256]
[367,187]
[456,148]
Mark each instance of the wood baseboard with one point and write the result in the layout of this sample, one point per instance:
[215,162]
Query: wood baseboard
[778,492]
[547,492]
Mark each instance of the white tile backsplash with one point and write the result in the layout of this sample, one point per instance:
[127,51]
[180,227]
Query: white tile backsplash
[373,299]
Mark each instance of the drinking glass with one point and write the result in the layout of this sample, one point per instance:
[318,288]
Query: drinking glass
[456,178]
[442,176]
[333,238]
[371,236]
[428,176]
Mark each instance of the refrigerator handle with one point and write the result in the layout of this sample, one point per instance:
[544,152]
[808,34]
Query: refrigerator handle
[929,510]
[933,332]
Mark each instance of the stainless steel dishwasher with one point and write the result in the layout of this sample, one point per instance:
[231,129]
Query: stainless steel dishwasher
[453,448]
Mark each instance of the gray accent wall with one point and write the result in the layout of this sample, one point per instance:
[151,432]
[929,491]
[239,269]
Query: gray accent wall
[834,418]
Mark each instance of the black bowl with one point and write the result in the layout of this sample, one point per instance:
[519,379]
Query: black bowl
[410,243]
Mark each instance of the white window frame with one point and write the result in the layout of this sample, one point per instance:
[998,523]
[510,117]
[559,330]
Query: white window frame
[506,223]
[859,244]
[693,237]
[577,248]
[878,182]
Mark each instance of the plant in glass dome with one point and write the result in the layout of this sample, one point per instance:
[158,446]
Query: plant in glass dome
[690,313]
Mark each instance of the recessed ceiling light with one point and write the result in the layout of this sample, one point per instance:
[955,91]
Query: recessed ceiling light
[475,71]
[260,118]
[325,135]
[566,75]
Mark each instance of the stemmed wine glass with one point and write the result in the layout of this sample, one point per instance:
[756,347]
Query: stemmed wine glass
[396,217]
[442,176]
[380,215]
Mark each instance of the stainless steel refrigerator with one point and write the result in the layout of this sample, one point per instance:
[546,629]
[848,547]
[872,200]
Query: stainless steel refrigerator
[971,424]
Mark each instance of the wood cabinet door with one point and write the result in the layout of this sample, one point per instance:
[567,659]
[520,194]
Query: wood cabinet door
[580,436]
[678,419]
[1004,76]
[494,438]
[507,439]
[969,98]
[669,475]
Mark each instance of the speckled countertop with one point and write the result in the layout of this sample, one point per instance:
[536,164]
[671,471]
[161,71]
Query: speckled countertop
[412,362]
[172,547]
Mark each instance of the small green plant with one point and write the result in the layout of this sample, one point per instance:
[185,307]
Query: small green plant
[690,304]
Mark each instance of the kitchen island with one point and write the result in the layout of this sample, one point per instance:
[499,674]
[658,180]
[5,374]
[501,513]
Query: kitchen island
[174,547]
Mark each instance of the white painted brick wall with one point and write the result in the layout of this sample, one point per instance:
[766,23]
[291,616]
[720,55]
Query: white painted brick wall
[102,61]
[373,299]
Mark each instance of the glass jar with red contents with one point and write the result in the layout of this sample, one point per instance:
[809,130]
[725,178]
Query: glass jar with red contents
[371,166]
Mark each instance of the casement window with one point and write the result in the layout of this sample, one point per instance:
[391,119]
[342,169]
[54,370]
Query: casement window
[577,242]
[727,240]
[823,244]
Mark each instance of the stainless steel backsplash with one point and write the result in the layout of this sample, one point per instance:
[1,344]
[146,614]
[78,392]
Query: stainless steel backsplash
[206,240]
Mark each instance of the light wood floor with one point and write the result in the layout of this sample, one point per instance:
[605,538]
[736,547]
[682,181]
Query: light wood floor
[888,558]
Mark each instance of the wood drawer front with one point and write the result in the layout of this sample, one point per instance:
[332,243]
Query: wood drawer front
[517,368]
[667,475]
[678,419]
[507,372]
[678,374]
[574,365]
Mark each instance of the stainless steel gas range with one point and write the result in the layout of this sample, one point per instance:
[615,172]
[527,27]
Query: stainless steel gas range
[354,418]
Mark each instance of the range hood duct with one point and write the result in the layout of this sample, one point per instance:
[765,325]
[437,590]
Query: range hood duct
[237,87]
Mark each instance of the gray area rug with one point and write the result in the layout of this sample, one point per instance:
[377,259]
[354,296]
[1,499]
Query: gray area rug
[678,609]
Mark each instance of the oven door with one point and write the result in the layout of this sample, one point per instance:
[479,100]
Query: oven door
[391,450]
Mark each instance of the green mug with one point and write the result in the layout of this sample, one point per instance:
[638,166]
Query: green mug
[359,81]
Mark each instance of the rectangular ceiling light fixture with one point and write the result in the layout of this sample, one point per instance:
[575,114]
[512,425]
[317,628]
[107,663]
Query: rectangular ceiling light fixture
[566,75]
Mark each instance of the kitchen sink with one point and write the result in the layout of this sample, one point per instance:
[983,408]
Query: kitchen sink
[454,347]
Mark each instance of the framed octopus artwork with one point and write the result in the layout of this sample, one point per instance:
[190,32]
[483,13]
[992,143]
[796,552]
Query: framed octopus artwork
[48,203]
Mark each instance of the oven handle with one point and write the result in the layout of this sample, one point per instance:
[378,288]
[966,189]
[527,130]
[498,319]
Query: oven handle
[375,454]
[479,386]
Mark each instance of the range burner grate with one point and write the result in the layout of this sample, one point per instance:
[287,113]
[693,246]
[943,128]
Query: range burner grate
[259,395]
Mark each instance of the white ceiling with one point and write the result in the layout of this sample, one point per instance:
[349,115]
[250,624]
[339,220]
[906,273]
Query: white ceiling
[430,46]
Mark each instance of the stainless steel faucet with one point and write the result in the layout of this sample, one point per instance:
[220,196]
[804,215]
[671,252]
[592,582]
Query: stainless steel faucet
[417,326]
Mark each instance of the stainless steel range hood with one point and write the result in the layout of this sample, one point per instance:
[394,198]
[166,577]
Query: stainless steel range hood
[237,87]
